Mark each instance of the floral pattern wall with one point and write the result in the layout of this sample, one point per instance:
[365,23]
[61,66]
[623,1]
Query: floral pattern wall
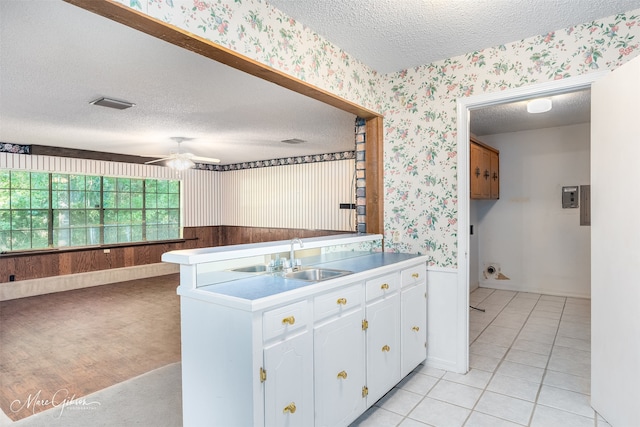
[419,105]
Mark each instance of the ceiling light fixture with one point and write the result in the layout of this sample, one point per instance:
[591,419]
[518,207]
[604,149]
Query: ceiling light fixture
[181,163]
[293,141]
[541,105]
[112,103]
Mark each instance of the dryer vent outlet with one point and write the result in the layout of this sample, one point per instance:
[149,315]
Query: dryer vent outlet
[491,270]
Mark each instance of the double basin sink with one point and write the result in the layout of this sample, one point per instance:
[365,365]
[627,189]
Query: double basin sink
[307,274]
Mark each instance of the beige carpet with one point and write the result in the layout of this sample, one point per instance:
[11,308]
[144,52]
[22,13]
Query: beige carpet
[153,399]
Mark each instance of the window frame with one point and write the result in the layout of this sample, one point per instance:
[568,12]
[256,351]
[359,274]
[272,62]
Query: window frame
[55,211]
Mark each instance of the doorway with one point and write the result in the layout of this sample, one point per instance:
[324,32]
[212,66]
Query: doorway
[464,107]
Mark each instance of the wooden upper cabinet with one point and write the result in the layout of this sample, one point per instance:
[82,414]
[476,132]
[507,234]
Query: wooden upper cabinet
[484,173]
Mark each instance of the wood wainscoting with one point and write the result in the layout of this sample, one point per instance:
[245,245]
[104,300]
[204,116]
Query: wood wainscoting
[58,263]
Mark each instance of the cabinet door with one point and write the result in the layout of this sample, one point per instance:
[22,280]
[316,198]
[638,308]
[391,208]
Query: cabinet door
[339,371]
[475,173]
[414,327]
[288,389]
[383,347]
[485,176]
[495,175]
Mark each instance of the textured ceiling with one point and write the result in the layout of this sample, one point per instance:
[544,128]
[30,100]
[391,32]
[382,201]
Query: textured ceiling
[49,75]
[568,109]
[393,35]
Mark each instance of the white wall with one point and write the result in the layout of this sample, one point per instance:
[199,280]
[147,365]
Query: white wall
[615,332]
[294,196]
[537,244]
[474,249]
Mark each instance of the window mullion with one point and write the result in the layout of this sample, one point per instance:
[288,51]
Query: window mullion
[101,209]
[50,219]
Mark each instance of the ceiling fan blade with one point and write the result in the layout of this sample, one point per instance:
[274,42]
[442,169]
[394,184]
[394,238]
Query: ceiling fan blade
[156,160]
[205,159]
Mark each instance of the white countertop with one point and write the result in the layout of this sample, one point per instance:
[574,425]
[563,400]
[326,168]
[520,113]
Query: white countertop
[262,290]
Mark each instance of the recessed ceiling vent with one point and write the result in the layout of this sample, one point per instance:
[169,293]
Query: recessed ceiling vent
[293,141]
[112,103]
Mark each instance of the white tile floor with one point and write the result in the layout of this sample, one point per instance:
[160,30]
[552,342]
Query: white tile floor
[530,363]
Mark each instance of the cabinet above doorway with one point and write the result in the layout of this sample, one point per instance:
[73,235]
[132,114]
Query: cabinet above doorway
[484,171]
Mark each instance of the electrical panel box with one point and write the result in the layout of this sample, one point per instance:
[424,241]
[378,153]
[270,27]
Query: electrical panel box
[585,205]
[570,197]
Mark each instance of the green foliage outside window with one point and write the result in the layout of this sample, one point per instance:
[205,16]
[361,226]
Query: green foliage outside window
[49,210]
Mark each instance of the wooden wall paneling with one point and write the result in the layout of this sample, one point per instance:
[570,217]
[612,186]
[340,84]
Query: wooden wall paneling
[7,267]
[65,263]
[129,256]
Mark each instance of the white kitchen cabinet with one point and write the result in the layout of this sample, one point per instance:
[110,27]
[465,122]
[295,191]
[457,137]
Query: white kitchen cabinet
[288,367]
[383,339]
[383,346]
[265,351]
[414,318]
[339,370]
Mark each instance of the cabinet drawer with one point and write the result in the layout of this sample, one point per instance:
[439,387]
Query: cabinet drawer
[284,320]
[380,286]
[338,302]
[413,275]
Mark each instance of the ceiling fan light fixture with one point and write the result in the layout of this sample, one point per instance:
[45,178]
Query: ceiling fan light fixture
[540,105]
[180,163]
[112,103]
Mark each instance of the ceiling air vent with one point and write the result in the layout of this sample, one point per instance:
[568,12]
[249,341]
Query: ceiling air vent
[112,103]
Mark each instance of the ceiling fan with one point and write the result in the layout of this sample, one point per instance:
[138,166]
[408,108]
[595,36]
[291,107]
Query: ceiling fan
[179,160]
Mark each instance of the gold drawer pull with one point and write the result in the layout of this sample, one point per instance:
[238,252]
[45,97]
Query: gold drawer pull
[386,348]
[415,328]
[341,301]
[290,320]
[415,275]
[290,408]
[342,374]
[384,286]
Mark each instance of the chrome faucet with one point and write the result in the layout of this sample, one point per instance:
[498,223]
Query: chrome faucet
[292,257]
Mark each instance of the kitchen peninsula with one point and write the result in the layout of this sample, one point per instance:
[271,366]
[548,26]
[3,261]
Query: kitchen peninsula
[305,332]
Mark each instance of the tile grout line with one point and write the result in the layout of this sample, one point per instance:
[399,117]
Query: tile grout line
[544,373]
[484,389]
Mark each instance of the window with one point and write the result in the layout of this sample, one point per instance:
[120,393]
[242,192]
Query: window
[51,210]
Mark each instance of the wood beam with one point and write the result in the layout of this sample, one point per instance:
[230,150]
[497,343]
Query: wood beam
[374,175]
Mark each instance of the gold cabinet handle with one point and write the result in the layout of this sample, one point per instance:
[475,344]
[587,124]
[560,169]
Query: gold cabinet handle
[386,348]
[290,320]
[416,328]
[342,374]
[415,275]
[290,408]
[384,286]
[341,301]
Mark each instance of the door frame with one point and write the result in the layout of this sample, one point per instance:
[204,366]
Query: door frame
[464,107]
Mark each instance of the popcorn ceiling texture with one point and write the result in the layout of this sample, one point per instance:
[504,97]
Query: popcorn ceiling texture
[392,35]
[419,105]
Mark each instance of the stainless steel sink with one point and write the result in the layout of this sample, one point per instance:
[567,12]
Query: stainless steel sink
[316,274]
[259,268]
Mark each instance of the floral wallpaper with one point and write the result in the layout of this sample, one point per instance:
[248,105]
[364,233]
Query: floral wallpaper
[6,147]
[258,30]
[419,105]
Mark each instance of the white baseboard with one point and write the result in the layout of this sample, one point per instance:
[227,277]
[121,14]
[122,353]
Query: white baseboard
[67,282]
[446,365]
[503,285]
